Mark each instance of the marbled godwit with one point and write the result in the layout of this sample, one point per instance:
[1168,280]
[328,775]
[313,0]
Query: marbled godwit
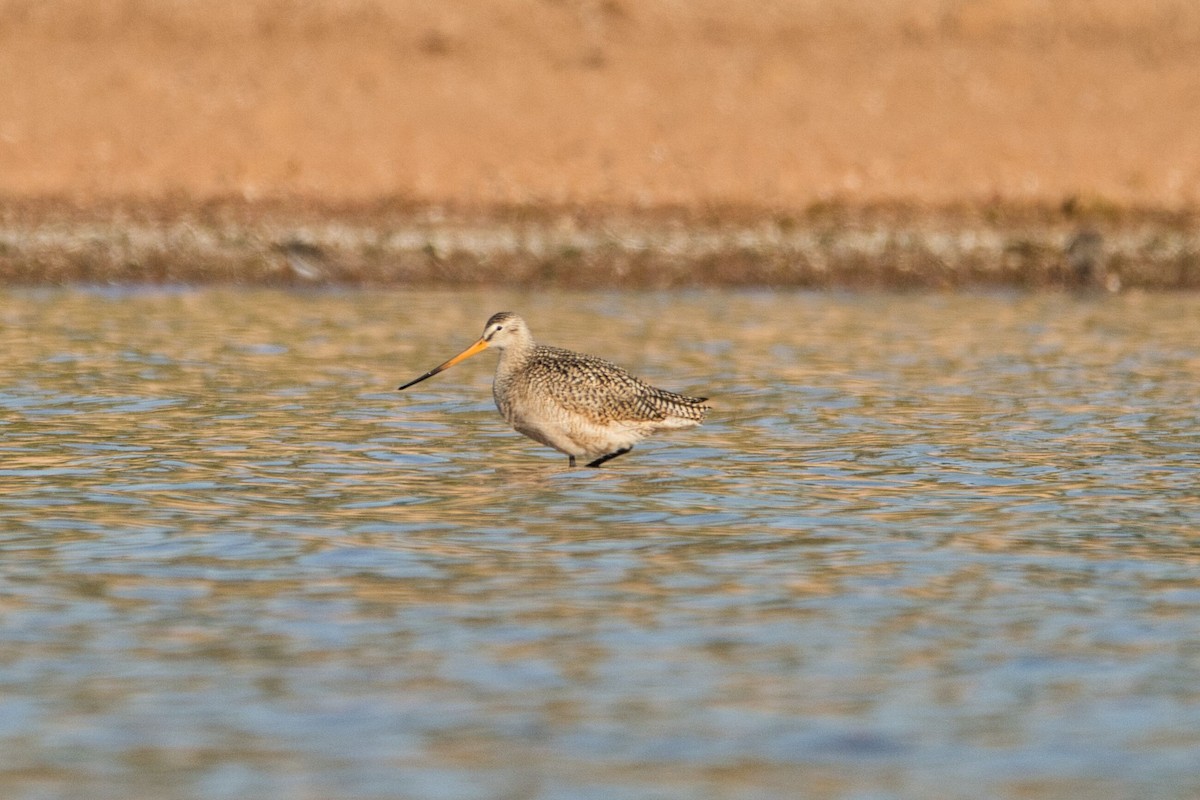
[580,405]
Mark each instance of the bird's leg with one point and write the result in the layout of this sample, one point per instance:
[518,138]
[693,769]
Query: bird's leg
[610,456]
[571,463]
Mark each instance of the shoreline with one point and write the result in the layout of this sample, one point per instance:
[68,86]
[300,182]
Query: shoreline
[403,242]
[787,105]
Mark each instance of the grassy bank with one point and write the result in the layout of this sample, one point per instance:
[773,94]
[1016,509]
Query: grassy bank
[402,243]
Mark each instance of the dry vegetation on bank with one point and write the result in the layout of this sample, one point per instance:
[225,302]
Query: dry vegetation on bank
[396,243]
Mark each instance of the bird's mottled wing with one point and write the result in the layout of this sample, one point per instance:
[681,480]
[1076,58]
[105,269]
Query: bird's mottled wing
[603,392]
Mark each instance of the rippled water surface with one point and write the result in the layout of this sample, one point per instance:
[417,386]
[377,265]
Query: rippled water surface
[927,546]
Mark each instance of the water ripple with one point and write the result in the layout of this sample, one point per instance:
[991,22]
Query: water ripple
[924,541]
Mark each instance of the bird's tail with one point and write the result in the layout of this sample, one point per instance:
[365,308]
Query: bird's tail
[683,407]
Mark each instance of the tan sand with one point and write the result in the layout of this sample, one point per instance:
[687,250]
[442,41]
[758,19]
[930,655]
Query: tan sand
[600,142]
[630,103]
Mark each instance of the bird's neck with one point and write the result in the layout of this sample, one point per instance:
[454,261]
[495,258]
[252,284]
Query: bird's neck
[514,356]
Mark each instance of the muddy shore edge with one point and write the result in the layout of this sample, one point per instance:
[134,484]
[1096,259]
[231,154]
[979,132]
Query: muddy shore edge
[406,243]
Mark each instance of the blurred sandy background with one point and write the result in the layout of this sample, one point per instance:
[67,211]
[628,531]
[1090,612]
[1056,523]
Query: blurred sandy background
[779,103]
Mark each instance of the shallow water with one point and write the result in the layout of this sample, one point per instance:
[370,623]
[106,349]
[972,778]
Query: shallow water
[927,546]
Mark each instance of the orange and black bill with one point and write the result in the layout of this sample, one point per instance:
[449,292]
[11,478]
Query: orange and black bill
[463,356]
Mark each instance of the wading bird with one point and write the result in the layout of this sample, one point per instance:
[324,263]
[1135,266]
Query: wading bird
[578,404]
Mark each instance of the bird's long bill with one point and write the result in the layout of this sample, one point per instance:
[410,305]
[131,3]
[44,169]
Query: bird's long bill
[463,356]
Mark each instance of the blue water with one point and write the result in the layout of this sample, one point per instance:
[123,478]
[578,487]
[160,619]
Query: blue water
[926,546]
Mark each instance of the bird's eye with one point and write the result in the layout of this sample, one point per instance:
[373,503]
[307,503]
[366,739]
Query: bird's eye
[499,328]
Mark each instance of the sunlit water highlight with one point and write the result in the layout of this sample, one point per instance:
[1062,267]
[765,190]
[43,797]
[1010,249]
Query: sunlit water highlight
[927,546]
